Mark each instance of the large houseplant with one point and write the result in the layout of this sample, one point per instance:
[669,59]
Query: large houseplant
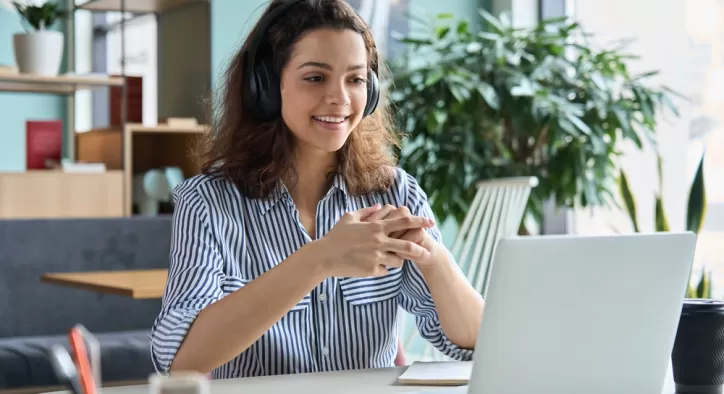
[38,50]
[509,101]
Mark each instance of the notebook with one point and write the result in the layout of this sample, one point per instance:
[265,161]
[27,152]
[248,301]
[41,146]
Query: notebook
[437,373]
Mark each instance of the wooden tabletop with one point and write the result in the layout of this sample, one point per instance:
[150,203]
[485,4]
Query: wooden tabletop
[142,284]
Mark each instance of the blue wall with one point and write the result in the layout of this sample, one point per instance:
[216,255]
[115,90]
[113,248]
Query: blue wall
[16,108]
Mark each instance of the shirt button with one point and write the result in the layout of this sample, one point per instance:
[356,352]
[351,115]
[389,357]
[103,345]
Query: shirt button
[325,351]
[322,297]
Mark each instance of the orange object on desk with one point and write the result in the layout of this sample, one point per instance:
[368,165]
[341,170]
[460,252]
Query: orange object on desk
[80,357]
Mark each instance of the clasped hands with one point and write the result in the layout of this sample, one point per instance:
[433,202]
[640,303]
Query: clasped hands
[369,241]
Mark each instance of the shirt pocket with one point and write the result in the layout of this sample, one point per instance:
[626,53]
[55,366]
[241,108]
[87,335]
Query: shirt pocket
[303,304]
[364,291]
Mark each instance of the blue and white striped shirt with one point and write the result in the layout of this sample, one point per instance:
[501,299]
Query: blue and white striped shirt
[222,240]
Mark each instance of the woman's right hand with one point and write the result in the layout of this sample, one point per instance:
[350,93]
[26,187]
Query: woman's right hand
[356,248]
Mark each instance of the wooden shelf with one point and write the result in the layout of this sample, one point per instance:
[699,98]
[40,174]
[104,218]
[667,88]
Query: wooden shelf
[55,194]
[61,84]
[136,6]
[163,128]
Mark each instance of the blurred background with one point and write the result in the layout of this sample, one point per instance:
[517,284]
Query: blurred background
[578,117]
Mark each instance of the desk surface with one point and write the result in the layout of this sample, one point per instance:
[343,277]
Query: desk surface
[374,381]
[134,284]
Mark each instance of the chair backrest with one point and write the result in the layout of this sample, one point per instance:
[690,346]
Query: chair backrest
[496,212]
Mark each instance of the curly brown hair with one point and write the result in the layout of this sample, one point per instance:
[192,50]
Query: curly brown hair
[256,155]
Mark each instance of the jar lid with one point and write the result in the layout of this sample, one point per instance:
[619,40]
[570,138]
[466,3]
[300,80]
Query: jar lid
[695,306]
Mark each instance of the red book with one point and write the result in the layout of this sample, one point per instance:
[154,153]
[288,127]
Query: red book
[43,141]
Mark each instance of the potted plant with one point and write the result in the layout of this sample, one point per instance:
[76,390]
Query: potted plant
[695,215]
[39,50]
[697,357]
[507,101]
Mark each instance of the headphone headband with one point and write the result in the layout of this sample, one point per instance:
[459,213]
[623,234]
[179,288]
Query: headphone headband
[262,93]
[263,26]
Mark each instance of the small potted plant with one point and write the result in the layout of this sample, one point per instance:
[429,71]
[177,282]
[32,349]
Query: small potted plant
[38,50]
[697,357]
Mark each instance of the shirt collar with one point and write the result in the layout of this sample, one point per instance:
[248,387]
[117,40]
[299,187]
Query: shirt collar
[281,193]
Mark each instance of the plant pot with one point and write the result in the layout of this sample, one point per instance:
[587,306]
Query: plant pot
[698,354]
[39,52]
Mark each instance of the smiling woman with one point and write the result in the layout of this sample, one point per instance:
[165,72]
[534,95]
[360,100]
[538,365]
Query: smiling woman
[324,87]
[296,247]
[301,73]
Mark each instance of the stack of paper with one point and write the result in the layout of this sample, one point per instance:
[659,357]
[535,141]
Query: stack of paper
[437,373]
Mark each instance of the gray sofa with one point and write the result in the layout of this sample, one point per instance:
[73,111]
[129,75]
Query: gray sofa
[35,315]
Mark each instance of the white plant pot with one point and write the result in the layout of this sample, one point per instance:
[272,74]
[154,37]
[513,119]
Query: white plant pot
[39,52]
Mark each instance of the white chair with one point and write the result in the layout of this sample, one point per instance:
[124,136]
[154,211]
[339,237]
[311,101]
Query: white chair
[496,212]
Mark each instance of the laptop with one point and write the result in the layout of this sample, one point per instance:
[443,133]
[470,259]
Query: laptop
[581,314]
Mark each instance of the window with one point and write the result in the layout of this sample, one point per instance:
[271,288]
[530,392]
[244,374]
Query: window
[98,50]
[705,29]
[140,56]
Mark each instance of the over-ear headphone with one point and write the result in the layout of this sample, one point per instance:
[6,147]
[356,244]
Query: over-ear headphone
[263,93]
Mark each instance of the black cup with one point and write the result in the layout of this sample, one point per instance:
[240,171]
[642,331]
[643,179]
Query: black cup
[698,355]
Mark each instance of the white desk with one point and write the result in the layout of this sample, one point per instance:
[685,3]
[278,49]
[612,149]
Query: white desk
[375,381]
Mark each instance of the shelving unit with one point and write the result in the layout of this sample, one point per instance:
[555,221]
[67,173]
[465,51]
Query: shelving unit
[157,147]
[130,148]
[184,74]
[54,193]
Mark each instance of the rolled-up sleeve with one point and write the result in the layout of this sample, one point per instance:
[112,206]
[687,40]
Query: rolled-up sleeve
[195,278]
[415,295]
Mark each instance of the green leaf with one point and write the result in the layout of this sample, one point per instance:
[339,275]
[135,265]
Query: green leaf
[579,124]
[492,21]
[696,206]
[488,36]
[525,88]
[703,288]
[463,27]
[460,93]
[415,41]
[442,32]
[434,77]
[628,200]
[662,225]
[488,93]
[647,75]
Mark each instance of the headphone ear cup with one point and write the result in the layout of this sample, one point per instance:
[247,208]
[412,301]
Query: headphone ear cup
[373,93]
[267,100]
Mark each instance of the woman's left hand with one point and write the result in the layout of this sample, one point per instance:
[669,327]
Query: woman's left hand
[418,236]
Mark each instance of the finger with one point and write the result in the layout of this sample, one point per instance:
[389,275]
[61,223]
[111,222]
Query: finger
[401,211]
[364,213]
[406,223]
[382,213]
[406,249]
[390,260]
[398,234]
[417,236]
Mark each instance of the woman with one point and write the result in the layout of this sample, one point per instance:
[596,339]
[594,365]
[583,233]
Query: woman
[295,247]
